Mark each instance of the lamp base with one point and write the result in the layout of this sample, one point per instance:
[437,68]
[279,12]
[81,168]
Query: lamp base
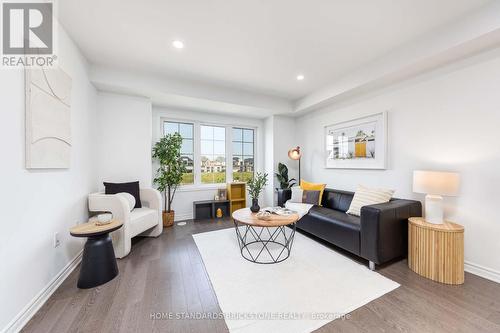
[434,209]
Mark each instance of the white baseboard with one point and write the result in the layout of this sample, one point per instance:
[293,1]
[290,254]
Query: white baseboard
[36,303]
[183,216]
[482,271]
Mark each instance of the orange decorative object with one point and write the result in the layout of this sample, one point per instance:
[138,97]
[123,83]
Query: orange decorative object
[219,213]
[360,149]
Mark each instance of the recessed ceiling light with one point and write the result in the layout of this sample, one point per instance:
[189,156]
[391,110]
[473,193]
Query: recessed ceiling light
[178,44]
[300,77]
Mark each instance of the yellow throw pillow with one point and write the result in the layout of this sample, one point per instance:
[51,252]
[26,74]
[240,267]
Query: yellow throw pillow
[313,187]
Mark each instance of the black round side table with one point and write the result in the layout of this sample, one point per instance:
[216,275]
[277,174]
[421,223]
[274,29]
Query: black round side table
[98,260]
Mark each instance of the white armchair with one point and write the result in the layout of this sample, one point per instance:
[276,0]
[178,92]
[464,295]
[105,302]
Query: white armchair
[145,221]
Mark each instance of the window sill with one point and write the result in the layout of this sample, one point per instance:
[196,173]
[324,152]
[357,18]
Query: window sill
[202,187]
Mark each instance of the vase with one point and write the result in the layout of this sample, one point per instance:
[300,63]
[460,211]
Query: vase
[255,206]
[168,218]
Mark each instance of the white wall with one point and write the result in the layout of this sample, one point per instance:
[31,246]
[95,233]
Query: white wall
[37,203]
[183,201]
[285,138]
[446,120]
[124,139]
[280,136]
[269,159]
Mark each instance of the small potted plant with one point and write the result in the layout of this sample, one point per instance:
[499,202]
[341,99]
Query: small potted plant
[255,187]
[169,174]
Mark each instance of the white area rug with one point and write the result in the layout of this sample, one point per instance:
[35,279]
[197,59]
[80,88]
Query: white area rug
[313,282]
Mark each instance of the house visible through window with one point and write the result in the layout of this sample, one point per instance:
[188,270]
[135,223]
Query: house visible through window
[213,154]
[186,130]
[243,154]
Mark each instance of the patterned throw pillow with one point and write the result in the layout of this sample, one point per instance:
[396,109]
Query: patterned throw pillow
[303,196]
[368,196]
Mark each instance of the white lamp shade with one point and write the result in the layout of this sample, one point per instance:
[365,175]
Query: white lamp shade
[436,182]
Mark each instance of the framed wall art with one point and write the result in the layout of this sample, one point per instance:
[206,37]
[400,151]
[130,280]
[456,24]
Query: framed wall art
[359,143]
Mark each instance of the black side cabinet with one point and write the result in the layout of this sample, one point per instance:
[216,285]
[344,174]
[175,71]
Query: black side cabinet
[207,209]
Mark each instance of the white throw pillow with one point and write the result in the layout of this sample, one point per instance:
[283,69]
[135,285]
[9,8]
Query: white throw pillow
[296,194]
[129,197]
[368,196]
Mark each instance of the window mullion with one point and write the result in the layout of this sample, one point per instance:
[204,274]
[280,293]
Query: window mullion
[197,154]
[229,153]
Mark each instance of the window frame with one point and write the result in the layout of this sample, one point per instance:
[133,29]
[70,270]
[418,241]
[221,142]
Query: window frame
[225,151]
[243,146]
[162,131]
[197,184]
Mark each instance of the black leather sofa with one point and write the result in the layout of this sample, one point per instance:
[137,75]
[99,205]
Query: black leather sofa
[379,235]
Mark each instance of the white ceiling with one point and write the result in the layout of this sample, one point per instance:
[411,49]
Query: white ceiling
[258,45]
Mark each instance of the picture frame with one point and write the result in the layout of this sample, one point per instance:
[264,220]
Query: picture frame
[222,193]
[359,143]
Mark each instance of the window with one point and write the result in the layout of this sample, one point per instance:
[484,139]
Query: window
[186,131]
[208,155]
[243,154]
[213,154]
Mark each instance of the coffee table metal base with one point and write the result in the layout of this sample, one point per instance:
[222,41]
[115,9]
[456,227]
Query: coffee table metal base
[265,245]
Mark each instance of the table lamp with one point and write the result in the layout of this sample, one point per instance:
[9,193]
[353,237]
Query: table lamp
[295,154]
[435,184]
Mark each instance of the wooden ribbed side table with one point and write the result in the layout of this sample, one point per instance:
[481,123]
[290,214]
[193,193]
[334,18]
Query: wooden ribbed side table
[436,251]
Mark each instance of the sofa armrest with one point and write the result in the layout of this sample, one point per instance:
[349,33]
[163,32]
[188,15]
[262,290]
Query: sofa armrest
[283,196]
[384,229]
[115,204]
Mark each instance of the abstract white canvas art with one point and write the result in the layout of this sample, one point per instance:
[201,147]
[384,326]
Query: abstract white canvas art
[48,118]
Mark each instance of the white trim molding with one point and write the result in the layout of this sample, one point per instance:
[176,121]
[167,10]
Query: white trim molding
[183,216]
[39,300]
[482,271]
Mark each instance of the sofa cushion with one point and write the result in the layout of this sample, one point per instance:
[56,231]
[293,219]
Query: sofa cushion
[132,188]
[336,216]
[142,219]
[336,199]
[333,226]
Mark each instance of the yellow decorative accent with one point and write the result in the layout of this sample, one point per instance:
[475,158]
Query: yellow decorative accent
[313,187]
[219,213]
[360,149]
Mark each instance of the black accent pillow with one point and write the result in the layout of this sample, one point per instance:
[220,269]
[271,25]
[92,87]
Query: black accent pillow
[132,188]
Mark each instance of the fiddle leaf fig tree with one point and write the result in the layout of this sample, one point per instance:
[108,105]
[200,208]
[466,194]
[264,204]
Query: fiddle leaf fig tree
[282,176]
[167,152]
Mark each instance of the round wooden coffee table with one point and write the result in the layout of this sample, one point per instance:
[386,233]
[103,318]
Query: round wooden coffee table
[98,260]
[264,241]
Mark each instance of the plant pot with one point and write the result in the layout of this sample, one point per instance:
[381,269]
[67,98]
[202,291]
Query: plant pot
[168,218]
[255,206]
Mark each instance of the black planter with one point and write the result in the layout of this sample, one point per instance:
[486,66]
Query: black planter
[255,206]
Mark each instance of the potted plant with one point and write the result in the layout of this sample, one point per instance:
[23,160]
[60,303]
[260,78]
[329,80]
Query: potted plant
[255,187]
[167,152]
[285,183]
[282,176]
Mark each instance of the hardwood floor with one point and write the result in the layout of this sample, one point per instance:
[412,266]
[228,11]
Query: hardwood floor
[167,275]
